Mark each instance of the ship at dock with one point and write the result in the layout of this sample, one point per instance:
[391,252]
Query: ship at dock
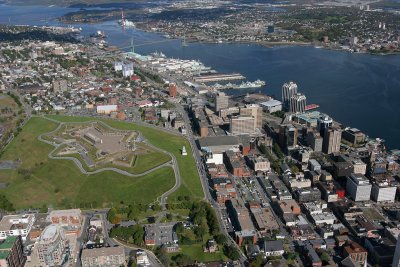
[125,23]
[243,85]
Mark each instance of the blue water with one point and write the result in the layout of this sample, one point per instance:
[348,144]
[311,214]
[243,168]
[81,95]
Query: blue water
[358,90]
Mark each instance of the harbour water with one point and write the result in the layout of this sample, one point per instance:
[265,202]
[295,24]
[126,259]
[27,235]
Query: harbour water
[358,90]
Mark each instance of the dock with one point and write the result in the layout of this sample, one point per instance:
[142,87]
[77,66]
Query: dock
[219,77]
[311,107]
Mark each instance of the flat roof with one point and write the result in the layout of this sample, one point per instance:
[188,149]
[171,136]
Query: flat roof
[219,141]
[7,223]
[105,251]
[271,103]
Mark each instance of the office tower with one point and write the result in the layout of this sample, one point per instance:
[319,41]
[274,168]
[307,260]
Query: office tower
[298,103]
[314,141]
[221,101]
[332,139]
[255,111]
[288,136]
[242,125]
[127,70]
[358,187]
[12,252]
[288,90]
[324,122]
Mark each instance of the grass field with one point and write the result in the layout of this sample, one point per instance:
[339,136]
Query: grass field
[191,185]
[197,253]
[61,184]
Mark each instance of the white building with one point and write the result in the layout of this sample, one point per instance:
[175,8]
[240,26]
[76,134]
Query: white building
[118,66]
[298,103]
[323,218]
[359,166]
[216,158]
[271,106]
[127,70]
[142,260]
[299,183]
[383,192]
[288,91]
[15,225]
[358,187]
[106,109]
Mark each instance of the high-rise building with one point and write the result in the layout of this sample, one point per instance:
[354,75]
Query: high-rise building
[324,122]
[127,70]
[288,90]
[332,139]
[396,257]
[51,248]
[383,192]
[314,141]
[255,111]
[358,187]
[172,90]
[298,103]
[288,136]
[12,252]
[221,101]
[242,125]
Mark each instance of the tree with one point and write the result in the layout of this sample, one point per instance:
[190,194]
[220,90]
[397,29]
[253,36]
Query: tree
[161,254]
[179,228]
[183,260]
[43,209]
[324,257]
[113,216]
[5,204]
[257,262]
[277,150]
[221,239]
[231,252]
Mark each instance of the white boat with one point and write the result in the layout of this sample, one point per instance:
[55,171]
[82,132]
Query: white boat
[256,84]
[126,23]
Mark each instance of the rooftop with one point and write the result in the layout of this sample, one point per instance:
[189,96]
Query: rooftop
[10,222]
[101,252]
[219,141]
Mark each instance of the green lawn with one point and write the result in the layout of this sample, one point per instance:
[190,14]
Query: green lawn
[197,253]
[191,185]
[149,161]
[61,184]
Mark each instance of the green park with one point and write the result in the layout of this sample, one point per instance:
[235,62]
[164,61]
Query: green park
[40,180]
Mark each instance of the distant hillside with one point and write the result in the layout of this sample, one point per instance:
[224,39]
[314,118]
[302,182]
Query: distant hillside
[72,3]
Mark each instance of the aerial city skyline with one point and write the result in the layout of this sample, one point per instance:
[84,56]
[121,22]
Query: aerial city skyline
[199,133]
